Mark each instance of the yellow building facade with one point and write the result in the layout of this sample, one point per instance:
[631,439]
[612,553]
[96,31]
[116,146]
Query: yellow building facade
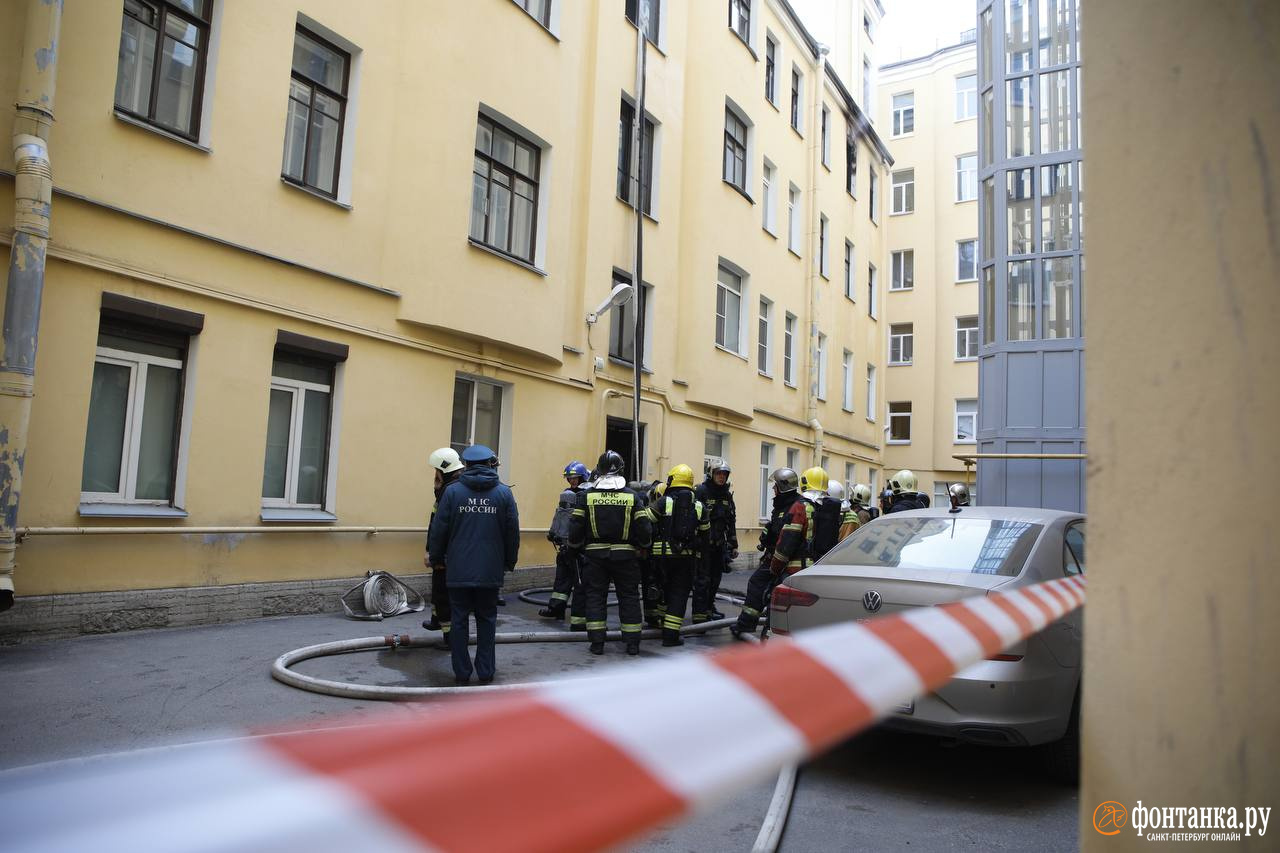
[296,247]
[928,114]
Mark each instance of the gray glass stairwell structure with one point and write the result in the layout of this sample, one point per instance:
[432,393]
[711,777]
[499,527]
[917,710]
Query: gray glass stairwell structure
[1031,359]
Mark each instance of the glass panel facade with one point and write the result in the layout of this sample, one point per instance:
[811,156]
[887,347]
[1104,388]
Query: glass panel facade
[1017,112]
[1017,35]
[989,305]
[1022,303]
[1056,283]
[1055,111]
[1055,208]
[988,232]
[1055,32]
[1019,199]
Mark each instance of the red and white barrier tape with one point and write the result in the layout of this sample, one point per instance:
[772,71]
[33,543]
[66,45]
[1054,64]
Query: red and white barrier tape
[572,765]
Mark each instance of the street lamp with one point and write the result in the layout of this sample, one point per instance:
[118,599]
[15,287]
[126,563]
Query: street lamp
[619,296]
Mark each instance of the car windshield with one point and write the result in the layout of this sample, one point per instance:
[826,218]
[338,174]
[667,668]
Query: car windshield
[982,546]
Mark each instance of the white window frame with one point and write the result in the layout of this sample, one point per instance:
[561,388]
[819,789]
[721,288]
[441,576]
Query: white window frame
[722,440]
[969,336]
[850,479]
[793,219]
[748,176]
[872,297]
[873,191]
[973,414]
[891,415]
[824,247]
[772,41]
[505,432]
[897,270]
[901,190]
[871,392]
[850,271]
[793,459]
[764,336]
[298,388]
[973,277]
[902,336]
[766,468]
[846,365]
[966,99]
[769,201]
[798,73]
[902,113]
[826,137]
[966,178]
[130,450]
[866,104]
[743,297]
[822,366]
[789,350]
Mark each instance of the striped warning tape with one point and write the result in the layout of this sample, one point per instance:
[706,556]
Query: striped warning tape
[565,766]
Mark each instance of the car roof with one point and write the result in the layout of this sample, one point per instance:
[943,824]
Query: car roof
[1034,515]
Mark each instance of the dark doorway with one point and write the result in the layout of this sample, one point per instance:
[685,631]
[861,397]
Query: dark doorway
[617,437]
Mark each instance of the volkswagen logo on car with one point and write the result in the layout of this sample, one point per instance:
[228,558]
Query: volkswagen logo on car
[871,600]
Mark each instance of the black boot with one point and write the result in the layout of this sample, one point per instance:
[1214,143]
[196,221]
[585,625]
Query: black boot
[596,648]
[552,612]
[432,624]
[671,637]
[633,647]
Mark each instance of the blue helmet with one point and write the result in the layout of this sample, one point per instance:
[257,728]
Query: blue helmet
[577,469]
[478,454]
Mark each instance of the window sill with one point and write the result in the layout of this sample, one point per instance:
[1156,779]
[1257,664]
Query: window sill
[647,214]
[770,232]
[903,212]
[967,443]
[723,348]
[160,131]
[900,363]
[974,358]
[504,256]
[771,102]
[871,420]
[739,190]
[826,165]
[314,193]
[790,385]
[283,513]
[794,252]
[904,135]
[902,289]
[122,510]
[965,118]
[630,365]
[745,43]
[546,29]
[965,200]
[797,130]
[899,442]
[966,281]
[659,48]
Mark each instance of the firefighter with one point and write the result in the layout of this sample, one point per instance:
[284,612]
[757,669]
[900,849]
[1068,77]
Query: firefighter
[568,580]
[828,514]
[610,528]
[958,493]
[905,497]
[447,465]
[722,544]
[849,520]
[791,529]
[860,502]
[681,525]
[651,581]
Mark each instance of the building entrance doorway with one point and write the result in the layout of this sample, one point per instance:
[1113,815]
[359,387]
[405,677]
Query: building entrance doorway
[617,437]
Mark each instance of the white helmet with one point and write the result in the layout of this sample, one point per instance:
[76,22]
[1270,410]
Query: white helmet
[835,489]
[862,494]
[445,460]
[902,482]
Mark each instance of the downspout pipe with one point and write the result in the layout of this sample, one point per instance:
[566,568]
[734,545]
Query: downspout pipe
[33,194]
[814,265]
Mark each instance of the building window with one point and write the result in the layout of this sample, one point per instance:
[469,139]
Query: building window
[942,495]
[967,177]
[135,414]
[1055,208]
[317,110]
[826,136]
[848,269]
[904,113]
[740,19]
[822,366]
[849,480]
[1021,302]
[763,335]
[715,446]
[478,411]
[966,260]
[901,343]
[899,423]
[866,86]
[1055,111]
[903,273]
[622,323]
[851,161]
[871,392]
[866,25]
[295,471]
[872,307]
[966,421]
[789,350]
[633,15]
[966,338]
[1057,285]
[797,86]
[988,305]
[771,71]
[824,261]
[793,219]
[729,310]
[846,381]
[874,195]
[540,10]
[626,178]
[161,66]
[793,458]
[1021,196]
[904,191]
[735,150]
[769,199]
[766,469]
[504,190]
[966,97]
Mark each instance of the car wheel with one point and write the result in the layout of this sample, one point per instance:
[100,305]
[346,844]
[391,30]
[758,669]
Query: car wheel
[1062,757]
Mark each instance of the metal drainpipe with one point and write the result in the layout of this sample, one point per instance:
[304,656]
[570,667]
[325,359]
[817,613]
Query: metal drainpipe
[32,194]
[814,262]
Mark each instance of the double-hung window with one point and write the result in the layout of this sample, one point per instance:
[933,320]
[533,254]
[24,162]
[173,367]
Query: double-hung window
[789,350]
[764,361]
[771,71]
[317,113]
[966,338]
[793,219]
[622,324]
[903,272]
[766,469]
[164,46]
[872,286]
[632,9]
[874,195]
[848,269]
[735,150]
[504,190]
[740,18]
[729,310]
[769,198]
[900,423]
[846,382]
[966,97]
[824,262]
[826,136]
[904,191]
[295,473]
[871,392]
[967,177]
[479,409]
[901,343]
[626,177]
[904,113]
[796,87]
[851,161]
[132,442]
[966,264]
[966,421]
[822,366]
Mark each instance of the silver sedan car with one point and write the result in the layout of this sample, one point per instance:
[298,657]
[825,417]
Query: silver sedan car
[1026,696]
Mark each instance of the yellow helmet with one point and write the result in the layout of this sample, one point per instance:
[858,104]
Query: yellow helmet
[681,475]
[814,480]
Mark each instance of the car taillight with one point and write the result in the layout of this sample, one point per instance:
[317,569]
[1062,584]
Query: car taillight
[786,597]
[1005,657]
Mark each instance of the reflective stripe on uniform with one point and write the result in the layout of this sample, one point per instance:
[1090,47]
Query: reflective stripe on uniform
[673,622]
[577,620]
[595,626]
[559,596]
[632,627]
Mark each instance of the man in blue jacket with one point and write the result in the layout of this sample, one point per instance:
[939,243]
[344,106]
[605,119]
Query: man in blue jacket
[476,536]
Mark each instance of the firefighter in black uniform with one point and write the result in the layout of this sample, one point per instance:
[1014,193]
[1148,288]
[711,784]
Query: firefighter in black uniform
[786,500]
[568,580]
[610,528]
[722,544]
[680,530]
[447,466]
[905,496]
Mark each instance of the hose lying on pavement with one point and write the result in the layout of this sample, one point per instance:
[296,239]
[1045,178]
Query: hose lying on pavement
[541,596]
[280,670]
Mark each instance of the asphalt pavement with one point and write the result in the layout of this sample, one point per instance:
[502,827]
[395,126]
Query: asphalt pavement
[87,696]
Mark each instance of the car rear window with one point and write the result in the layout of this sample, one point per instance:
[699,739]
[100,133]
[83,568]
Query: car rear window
[983,546]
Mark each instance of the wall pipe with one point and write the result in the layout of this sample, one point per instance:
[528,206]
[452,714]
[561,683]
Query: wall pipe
[32,204]
[813,264]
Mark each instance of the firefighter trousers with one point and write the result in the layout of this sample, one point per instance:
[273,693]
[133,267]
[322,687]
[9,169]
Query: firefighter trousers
[567,591]
[623,570]
[758,588]
[678,577]
[707,581]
